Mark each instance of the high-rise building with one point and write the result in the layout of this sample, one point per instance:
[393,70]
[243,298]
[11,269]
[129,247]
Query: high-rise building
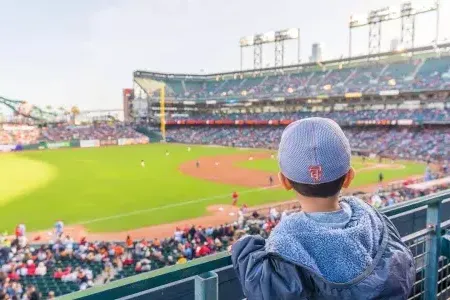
[316,53]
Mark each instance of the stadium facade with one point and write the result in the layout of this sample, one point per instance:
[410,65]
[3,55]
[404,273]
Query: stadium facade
[411,79]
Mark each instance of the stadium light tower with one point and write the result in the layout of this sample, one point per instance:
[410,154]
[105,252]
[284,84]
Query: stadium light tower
[277,38]
[406,13]
[258,41]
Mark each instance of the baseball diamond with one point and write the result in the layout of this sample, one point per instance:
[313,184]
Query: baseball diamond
[90,186]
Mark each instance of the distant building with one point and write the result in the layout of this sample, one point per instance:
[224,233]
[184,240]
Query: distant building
[128,95]
[316,53]
[395,45]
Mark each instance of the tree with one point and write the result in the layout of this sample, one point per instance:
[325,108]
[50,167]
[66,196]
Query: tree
[75,111]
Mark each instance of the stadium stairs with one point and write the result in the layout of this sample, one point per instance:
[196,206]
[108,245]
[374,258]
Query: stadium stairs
[422,223]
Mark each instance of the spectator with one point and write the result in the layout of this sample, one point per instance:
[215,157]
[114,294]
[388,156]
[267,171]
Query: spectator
[41,270]
[181,260]
[308,249]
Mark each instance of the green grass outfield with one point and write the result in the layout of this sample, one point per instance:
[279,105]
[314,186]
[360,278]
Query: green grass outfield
[106,189]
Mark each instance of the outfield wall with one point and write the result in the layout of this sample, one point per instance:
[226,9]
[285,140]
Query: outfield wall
[74,144]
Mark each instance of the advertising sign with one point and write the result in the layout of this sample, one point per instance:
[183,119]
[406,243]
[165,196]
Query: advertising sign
[108,142]
[89,143]
[7,148]
[58,145]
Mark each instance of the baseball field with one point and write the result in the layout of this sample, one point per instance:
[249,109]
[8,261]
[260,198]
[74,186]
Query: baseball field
[108,189]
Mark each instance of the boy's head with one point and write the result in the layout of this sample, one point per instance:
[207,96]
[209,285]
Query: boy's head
[314,158]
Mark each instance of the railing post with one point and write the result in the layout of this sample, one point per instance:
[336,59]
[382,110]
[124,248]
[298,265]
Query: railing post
[207,286]
[433,248]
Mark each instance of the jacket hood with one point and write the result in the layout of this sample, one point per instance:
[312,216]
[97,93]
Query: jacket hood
[340,250]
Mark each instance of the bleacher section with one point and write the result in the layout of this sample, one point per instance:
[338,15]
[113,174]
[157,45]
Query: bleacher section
[418,221]
[25,135]
[400,143]
[363,77]
[345,117]
[370,77]
[48,282]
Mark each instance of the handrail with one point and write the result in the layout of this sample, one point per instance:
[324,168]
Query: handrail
[159,277]
[138,283]
[417,203]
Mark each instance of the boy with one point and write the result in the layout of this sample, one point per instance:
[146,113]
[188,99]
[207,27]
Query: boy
[332,249]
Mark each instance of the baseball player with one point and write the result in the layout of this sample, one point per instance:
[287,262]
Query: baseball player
[235,197]
[380,178]
[142,163]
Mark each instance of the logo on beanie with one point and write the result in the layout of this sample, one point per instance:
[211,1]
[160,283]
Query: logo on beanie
[316,173]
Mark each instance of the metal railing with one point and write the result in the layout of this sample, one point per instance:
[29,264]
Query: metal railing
[430,247]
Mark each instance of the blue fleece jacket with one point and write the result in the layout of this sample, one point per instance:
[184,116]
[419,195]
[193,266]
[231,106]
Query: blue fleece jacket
[353,253]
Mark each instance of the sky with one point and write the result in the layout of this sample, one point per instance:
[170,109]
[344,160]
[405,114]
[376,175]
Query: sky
[65,53]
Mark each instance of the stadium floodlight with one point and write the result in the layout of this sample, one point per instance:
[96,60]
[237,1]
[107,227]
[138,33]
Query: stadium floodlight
[292,33]
[419,6]
[406,13]
[277,37]
[246,41]
[358,20]
[258,38]
[269,36]
[406,7]
[394,12]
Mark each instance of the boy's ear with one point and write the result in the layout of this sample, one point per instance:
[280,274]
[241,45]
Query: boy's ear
[349,178]
[284,182]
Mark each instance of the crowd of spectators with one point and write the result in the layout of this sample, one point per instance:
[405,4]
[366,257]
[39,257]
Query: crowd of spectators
[63,132]
[243,137]
[23,137]
[399,142]
[415,74]
[390,196]
[65,266]
[36,271]
[89,132]
[418,116]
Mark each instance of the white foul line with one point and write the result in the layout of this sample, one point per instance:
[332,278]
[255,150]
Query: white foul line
[142,211]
